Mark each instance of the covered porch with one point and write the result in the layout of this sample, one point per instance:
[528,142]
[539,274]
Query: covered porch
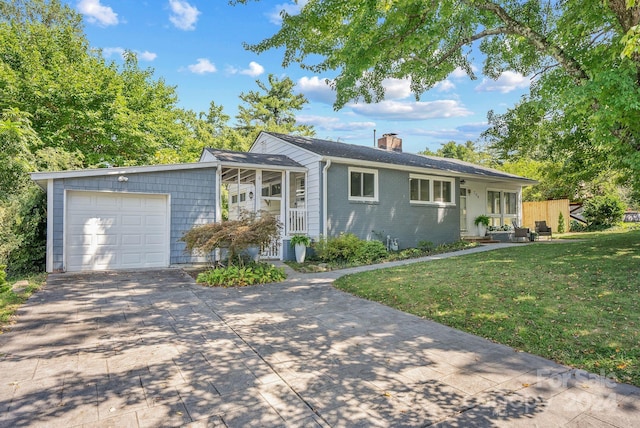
[252,183]
[500,201]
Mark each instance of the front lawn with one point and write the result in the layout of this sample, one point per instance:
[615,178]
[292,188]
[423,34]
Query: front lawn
[10,301]
[577,303]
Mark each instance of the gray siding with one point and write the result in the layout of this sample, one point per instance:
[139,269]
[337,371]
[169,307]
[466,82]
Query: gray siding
[393,214]
[192,198]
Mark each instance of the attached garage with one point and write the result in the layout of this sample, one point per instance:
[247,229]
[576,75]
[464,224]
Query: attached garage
[108,230]
[126,218]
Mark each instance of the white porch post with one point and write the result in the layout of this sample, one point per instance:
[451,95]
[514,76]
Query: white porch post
[218,215]
[238,193]
[283,210]
[258,195]
[287,193]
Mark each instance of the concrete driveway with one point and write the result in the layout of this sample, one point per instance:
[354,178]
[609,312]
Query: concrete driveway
[152,348]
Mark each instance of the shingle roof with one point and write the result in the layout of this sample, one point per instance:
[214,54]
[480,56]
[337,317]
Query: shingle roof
[252,158]
[374,154]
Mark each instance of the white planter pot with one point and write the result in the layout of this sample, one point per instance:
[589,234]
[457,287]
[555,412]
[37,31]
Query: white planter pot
[482,230]
[301,252]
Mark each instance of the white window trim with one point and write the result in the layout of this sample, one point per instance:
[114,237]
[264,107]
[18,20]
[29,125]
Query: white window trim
[375,185]
[431,201]
[502,216]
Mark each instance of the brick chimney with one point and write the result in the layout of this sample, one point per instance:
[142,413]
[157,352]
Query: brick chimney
[390,142]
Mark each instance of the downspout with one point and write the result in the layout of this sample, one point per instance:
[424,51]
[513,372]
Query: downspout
[324,196]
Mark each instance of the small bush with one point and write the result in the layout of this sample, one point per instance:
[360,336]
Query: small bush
[236,236]
[3,279]
[341,248]
[235,276]
[426,246]
[576,226]
[561,223]
[603,211]
[348,248]
[370,252]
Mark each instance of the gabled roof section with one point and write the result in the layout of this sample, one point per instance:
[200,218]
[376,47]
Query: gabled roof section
[230,156]
[354,152]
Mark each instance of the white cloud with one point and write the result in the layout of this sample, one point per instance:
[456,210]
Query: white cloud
[459,73]
[316,89]
[118,51]
[203,66]
[275,16]
[97,13]
[507,82]
[114,51]
[147,56]
[184,16]
[327,123]
[416,139]
[444,86]
[396,89]
[254,69]
[395,110]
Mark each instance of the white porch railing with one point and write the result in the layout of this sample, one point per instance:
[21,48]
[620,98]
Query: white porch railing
[272,250]
[297,221]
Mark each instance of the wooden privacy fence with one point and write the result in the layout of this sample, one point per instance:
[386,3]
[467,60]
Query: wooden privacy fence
[545,210]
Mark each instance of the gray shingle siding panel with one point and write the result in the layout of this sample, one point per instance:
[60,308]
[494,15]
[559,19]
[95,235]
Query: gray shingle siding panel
[192,194]
[393,214]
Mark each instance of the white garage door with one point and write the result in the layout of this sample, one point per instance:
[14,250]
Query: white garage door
[116,231]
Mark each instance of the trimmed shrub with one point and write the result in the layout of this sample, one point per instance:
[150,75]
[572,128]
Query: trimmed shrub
[235,276]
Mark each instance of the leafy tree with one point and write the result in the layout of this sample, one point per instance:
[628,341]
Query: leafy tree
[603,211]
[582,56]
[270,109]
[467,152]
[18,141]
[76,100]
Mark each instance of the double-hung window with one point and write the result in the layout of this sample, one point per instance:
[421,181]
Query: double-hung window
[420,189]
[363,185]
[442,191]
[434,190]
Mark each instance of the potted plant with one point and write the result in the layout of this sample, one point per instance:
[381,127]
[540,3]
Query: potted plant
[481,222]
[300,243]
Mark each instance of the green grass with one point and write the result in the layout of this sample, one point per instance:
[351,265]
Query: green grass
[575,302]
[10,301]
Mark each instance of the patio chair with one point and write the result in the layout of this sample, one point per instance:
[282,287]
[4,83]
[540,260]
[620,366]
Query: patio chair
[542,229]
[520,232]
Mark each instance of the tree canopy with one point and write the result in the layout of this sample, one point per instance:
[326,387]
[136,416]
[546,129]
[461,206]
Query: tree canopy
[76,100]
[582,57]
[272,108]
[467,152]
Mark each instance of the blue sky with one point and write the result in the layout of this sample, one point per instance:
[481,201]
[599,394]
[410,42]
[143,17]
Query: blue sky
[197,46]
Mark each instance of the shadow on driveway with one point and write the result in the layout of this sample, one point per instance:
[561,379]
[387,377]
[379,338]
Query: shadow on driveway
[151,348]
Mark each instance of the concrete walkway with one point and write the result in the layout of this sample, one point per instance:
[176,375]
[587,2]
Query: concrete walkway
[151,348]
